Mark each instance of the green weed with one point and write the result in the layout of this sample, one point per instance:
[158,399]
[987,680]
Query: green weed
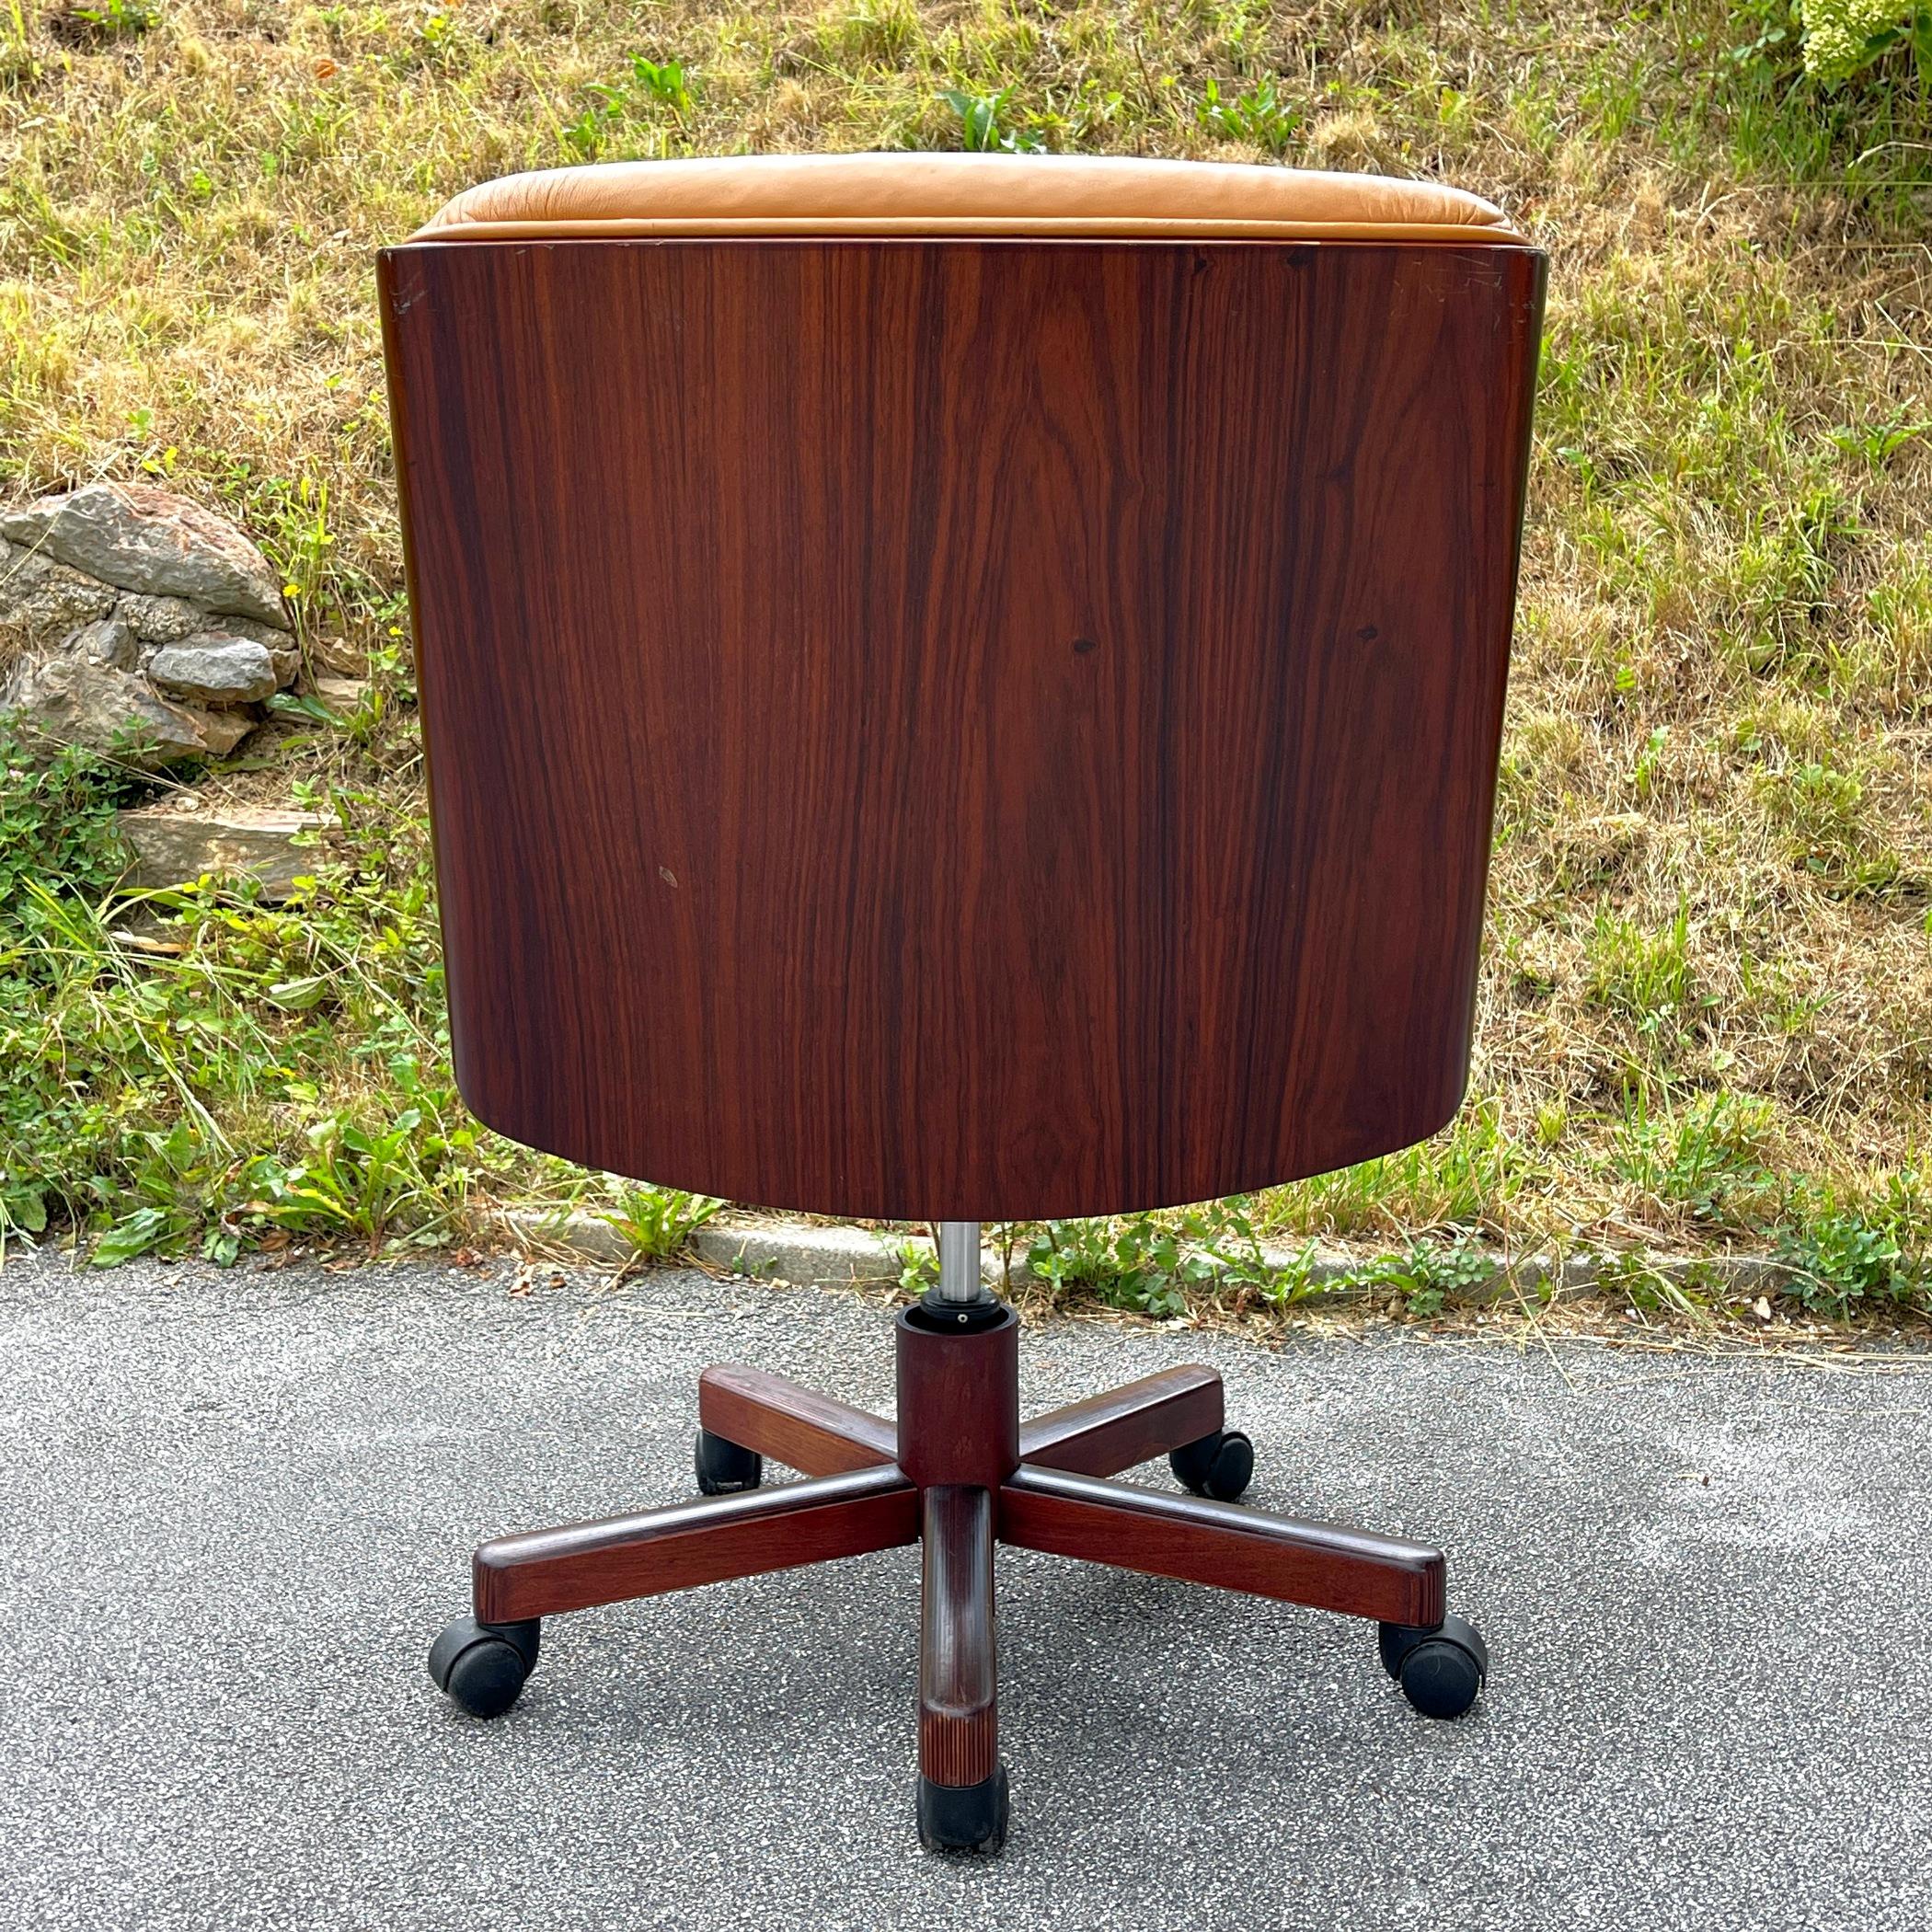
[1150,1262]
[1470,1176]
[1643,975]
[660,1222]
[1847,1258]
[617,119]
[1257,115]
[1705,1159]
[984,125]
[102,20]
[1432,1274]
[1821,812]
[1133,1263]
[918,1267]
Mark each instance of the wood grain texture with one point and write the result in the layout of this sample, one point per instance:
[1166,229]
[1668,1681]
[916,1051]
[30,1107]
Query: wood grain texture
[790,1423]
[1103,1435]
[959,1711]
[958,1401]
[967,729]
[1195,1541]
[541,1572]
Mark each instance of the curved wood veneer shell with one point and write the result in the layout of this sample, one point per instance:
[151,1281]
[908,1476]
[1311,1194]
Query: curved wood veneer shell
[974,730]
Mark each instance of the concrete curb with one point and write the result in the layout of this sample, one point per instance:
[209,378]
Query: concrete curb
[806,1256]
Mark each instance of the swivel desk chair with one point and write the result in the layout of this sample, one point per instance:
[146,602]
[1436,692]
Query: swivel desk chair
[966,687]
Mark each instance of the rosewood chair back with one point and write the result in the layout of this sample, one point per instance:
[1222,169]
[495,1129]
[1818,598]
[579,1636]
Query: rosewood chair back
[977,697]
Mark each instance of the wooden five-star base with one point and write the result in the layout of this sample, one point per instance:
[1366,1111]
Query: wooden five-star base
[959,1472]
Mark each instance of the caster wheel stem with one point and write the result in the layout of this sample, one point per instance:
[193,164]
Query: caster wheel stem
[724,1468]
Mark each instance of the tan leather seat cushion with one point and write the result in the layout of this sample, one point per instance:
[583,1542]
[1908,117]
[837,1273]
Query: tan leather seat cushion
[920,194]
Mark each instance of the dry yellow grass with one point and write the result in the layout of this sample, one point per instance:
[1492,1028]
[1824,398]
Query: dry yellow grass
[1708,996]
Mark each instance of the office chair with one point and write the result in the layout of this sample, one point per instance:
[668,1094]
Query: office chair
[965,687]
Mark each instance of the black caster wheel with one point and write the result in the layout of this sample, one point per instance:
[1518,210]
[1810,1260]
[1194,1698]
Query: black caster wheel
[1221,1466]
[482,1666]
[964,1817]
[723,1468]
[1441,1670]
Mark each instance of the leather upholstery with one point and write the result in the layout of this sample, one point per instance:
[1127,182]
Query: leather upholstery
[1078,196]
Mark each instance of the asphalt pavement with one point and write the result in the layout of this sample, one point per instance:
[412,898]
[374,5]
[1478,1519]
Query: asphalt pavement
[235,1507]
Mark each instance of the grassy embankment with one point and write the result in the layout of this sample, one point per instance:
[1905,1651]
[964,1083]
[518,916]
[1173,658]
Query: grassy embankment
[1707,1013]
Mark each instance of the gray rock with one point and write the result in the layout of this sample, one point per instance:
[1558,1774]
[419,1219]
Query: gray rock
[274,639]
[214,669]
[162,620]
[173,620]
[342,695]
[178,618]
[175,846]
[41,600]
[140,538]
[105,641]
[220,732]
[74,700]
[106,583]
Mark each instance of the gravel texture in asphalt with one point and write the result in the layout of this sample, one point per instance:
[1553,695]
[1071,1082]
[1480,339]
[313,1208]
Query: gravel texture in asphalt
[236,1507]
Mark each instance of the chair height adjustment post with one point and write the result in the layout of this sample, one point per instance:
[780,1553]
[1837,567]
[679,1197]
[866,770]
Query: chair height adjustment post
[959,1302]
